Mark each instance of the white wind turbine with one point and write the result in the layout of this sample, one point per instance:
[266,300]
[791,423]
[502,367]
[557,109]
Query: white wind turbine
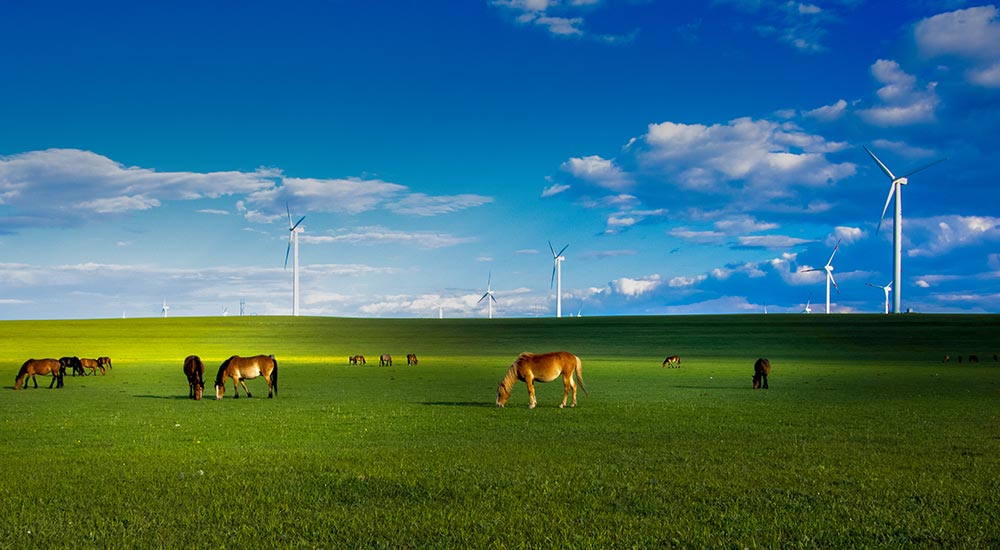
[164,309]
[896,187]
[293,243]
[490,299]
[887,289]
[557,260]
[808,309]
[829,276]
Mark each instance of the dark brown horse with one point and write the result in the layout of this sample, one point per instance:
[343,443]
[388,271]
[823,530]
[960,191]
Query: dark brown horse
[385,359]
[31,367]
[104,362]
[673,361]
[544,367]
[411,359]
[247,368]
[761,369]
[194,369]
[92,364]
[74,365]
[356,359]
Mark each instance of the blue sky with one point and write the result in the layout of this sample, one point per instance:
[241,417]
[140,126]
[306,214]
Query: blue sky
[696,157]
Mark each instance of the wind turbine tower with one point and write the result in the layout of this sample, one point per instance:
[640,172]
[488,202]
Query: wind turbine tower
[165,309]
[887,289]
[896,187]
[490,299]
[829,276]
[293,243]
[557,260]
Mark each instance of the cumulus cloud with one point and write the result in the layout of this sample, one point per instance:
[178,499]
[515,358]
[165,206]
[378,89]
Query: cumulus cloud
[939,235]
[598,171]
[554,190]
[846,235]
[902,101]
[633,288]
[767,156]
[564,18]
[828,113]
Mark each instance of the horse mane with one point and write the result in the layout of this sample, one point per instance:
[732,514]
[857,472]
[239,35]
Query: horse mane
[510,378]
[222,369]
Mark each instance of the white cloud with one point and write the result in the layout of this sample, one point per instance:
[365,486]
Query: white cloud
[844,234]
[377,235]
[632,288]
[419,204]
[828,113]
[770,241]
[971,33]
[940,235]
[554,190]
[902,102]
[767,156]
[598,171]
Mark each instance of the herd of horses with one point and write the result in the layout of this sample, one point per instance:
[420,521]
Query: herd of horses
[56,368]
[528,368]
[384,360]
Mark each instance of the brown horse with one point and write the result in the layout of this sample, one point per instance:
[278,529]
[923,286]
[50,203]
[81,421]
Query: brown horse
[673,361]
[104,362]
[356,359]
[31,367]
[761,369]
[544,367]
[194,369]
[411,359]
[384,360]
[247,368]
[92,364]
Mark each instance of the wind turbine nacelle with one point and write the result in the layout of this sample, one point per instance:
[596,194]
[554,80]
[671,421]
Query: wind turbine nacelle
[901,181]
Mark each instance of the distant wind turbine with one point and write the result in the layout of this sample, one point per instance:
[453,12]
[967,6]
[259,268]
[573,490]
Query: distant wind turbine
[490,299]
[887,289]
[293,243]
[808,309]
[164,309]
[896,187]
[557,260]
[829,276]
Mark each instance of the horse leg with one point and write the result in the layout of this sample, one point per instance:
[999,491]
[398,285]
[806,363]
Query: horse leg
[236,388]
[764,377]
[245,388]
[531,392]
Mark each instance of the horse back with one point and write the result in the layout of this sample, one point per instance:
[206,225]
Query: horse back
[546,367]
[41,366]
[762,366]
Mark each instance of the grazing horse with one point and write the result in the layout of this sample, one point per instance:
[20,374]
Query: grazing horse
[356,359]
[104,362]
[411,359]
[194,369]
[31,367]
[385,359]
[544,367]
[73,364]
[973,358]
[947,358]
[92,364]
[247,368]
[761,369]
[673,361]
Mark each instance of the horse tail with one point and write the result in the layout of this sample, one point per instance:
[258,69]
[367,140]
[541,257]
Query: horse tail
[274,375]
[579,374]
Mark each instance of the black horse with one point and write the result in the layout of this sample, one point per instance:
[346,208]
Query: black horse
[761,369]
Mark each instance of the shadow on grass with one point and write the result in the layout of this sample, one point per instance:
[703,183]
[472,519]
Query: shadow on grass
[458,404]
[163,397]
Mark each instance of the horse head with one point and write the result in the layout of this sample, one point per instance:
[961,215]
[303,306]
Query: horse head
[503,394]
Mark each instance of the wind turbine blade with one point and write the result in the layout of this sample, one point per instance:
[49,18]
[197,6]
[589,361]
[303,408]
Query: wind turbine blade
[834,281]
[834,253]
[552,249]
[287,250]
[561,251]
[483,298]
[892,189]
[492,297]
[881,165]
[924,167]
[292,227]
[811,269]
[553,281]
[289,212]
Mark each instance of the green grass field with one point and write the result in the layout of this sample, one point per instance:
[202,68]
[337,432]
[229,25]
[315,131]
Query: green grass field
[865,439]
